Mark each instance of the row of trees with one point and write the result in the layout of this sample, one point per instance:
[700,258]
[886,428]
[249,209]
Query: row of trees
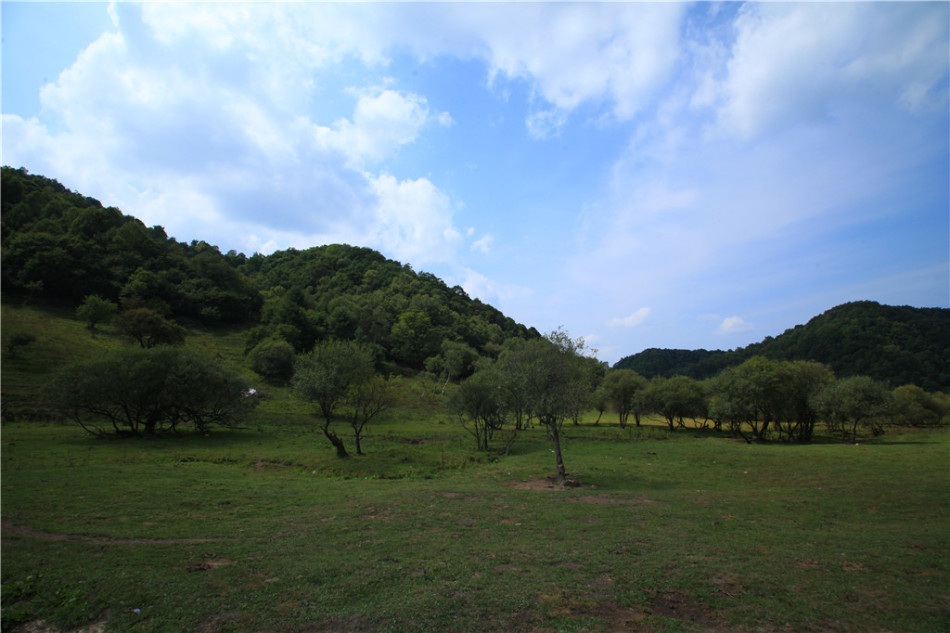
[758,400]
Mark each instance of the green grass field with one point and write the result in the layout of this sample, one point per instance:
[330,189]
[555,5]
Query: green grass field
[264,529]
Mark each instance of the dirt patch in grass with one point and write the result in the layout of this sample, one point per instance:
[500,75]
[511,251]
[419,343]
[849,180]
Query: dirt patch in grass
[551,483]
[727,585]
[211,561]
[672,604]
[20,530]
[219,622]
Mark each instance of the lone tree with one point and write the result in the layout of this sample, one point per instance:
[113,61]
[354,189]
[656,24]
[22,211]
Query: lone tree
[555,376]
[95,309]
[326,376]
[148,327]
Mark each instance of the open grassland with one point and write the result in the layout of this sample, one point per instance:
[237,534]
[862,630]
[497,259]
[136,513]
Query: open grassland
[264,529]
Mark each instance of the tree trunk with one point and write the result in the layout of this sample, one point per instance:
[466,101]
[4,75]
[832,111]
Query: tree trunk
[336,441]
[556,440]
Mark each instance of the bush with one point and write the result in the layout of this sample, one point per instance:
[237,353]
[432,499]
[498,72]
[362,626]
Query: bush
[273,359]
[141,391]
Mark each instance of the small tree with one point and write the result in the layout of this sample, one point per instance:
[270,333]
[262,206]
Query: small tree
[676,398]
[621,387]
[366,400]
[148,328]
[18,340]
[95,310]
[555,378]
[480,404]
[325,377]
[852,402]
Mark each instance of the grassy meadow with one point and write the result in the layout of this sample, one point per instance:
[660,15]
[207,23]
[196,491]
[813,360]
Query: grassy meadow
[264,529]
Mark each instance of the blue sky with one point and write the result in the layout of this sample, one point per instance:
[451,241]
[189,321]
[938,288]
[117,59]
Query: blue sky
[642,174]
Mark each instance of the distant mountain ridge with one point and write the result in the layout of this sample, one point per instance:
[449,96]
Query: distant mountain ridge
[896,344]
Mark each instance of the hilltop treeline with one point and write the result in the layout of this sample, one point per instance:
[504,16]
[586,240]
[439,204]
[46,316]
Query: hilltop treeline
[896,344]
[62,245]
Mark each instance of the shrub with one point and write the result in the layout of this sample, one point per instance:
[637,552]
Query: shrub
[273,359]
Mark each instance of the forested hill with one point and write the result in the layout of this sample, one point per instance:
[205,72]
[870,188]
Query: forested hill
[897,344]
[58,244]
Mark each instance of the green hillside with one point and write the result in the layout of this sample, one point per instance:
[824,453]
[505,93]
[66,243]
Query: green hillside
[60,246]
[896,344]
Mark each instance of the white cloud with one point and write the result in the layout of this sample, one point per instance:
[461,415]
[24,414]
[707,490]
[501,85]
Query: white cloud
[793,62]
[733,325]
[445,119]
[382,122]
[632,320]
[606,53]
[546,123]
[172,136]
[491,291]
[483,244]
[414,221]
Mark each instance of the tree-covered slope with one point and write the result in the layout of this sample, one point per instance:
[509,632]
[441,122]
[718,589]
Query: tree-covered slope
[897,344]
[59,244]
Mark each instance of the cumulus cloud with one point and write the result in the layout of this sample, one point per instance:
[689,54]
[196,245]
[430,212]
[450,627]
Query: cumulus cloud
[632,320]
[733,325]
[186,138]
[618,54]
[414,221]
[794,62]
[382,122]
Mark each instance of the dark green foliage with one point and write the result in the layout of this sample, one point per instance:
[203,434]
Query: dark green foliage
[622,389]
[915,407]
[326,378]
[273,359]
[148,328]
[138,392]
[59,244]
[899,345]
[481,404]
[847,403]
[64,245]
[18,340]
[352,293]
[95,310]
[675,399]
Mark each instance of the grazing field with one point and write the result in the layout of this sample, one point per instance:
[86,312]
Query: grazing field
[266,530]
